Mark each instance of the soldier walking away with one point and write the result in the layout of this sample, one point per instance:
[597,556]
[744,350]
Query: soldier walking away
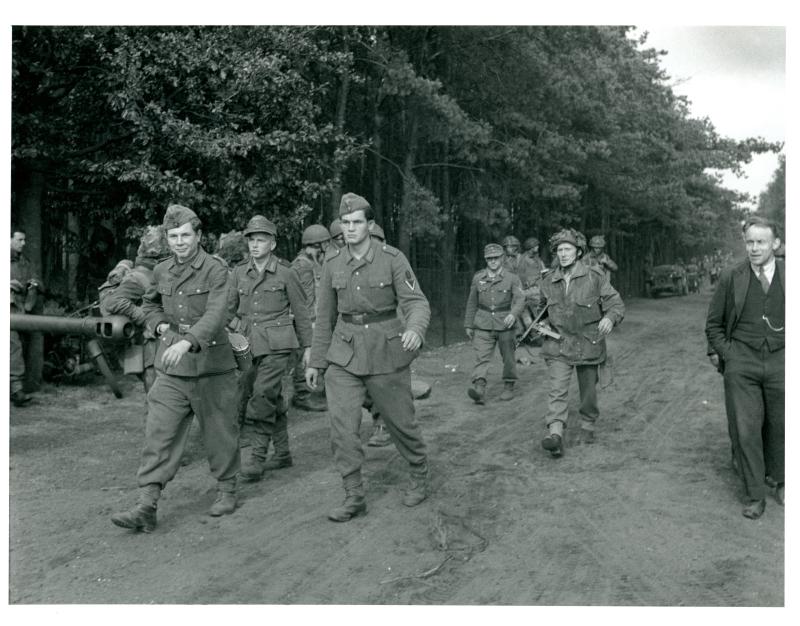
[513,255]
[583,308]
[268,305]
[25,289]
[598,256]
[308,265]
[366,348]
[126,299]
[494,302]
[187,309]
[745,328]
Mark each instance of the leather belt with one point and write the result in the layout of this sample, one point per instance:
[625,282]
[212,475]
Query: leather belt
[486,308]
[368,318]
[180,328]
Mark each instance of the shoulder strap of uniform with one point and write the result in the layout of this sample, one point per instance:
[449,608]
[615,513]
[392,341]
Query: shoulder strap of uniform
[332,253]
[390,249]
[284,262]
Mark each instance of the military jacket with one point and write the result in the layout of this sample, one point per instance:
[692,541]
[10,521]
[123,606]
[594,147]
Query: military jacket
[310,273]
[530,271]
[22,271]
[380,283]
[575,311]
[602,260]
[492,298]
[126,299]
[269,307]
[191,297]
[511,263]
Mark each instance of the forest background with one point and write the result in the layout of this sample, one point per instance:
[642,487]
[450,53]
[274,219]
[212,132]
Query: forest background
[456,135]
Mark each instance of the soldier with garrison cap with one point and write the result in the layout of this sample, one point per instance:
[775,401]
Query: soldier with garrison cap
[365,348]
[186,308]
[494,302]
[268,305]
[583,308]
[308,265]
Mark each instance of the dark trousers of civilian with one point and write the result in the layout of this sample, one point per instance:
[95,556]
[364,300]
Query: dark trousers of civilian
[754,402]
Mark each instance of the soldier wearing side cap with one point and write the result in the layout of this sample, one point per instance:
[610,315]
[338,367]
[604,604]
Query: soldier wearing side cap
[582,308]
[366,348]
[495,301]
[186,308]
[268,305]
[127,299]
[308,265]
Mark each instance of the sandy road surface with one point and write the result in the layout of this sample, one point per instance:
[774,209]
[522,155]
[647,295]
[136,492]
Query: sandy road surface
[650,515]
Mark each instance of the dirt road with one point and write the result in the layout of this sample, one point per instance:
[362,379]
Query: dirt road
[650,515]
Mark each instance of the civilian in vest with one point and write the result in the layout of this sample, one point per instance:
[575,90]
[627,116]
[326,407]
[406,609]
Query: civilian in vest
[745,330]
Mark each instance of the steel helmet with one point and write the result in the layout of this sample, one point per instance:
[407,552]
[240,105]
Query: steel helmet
[568,235]
[153,244]
[510,240]
[336,228]
[530,243]
[316,233]
[232,247]
[598,241]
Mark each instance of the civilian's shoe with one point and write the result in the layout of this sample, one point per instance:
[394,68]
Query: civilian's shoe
[552,443]
[142,517]
[20,398]
[780,493]
[277,461]
[754,509]
[353,506]
[225,504]
[380,437]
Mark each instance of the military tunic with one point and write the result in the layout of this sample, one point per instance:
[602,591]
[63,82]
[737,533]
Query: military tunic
[357,337]
[192,298]
[574,311]
[22,272]
[271,309]
[310,272]
[490,300]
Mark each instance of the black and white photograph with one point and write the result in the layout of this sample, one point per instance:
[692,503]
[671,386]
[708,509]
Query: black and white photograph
[369,311]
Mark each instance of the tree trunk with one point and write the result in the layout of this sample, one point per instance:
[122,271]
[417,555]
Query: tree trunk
[403,230]
[341,116]
[447,252]
[377,141]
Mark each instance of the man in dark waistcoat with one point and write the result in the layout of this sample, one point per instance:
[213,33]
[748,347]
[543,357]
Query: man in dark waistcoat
[745,331]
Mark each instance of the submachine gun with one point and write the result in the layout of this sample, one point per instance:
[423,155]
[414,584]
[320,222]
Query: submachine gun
[536,325]
[111,328]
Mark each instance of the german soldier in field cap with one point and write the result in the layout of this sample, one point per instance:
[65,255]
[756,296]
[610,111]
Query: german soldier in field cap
[269,306]
[494,302]
[186,308]
[365,348]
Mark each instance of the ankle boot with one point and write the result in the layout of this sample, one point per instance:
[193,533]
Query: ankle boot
[252,463]
[280,440]
[141,517]
[354,501]
[420,486]
[478,390]
[225,504]
[508,390]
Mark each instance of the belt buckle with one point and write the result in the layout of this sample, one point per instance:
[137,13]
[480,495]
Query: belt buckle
[358,318]
[184,328]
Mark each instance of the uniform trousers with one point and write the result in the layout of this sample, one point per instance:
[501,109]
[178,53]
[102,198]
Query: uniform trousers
[391,397]
[484,341]
[266,408]
[754,403]
[172,403]
[16,367]
[560,374]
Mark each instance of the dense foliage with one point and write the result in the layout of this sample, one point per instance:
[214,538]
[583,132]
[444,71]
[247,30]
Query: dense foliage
[457,135]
